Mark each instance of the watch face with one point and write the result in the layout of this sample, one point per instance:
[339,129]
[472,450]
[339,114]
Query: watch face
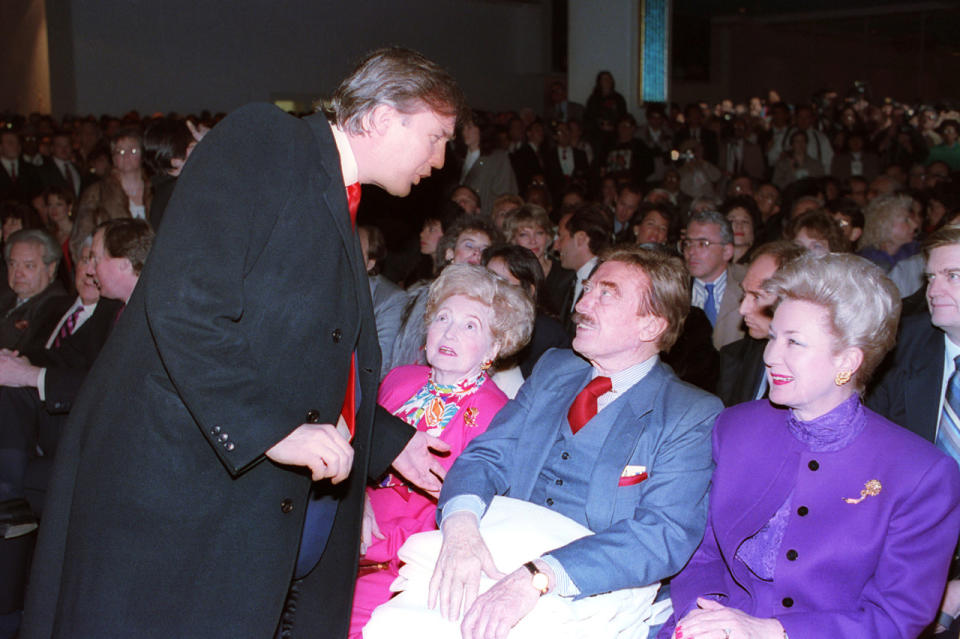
[540,582]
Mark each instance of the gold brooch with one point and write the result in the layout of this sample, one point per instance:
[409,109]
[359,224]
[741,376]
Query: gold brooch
[870,489]
[470,416]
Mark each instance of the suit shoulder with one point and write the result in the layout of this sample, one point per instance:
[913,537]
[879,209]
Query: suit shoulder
[747,417]
[683,397]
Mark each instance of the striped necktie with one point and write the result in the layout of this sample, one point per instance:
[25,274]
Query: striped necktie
[948,434]
[68,326]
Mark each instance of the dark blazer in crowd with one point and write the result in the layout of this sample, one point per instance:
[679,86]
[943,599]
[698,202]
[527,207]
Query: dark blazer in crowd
[840,168]
[52,177]
[29,325]
[741,370]
[527,163]
[556,180]
[693,357]
[909,391]
[711,146]
[278,184]
[27,184]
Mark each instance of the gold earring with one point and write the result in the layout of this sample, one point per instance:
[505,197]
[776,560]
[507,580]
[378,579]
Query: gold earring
[842,378]
[485,365]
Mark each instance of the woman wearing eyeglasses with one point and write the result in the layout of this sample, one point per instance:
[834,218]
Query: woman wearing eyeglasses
[124,192]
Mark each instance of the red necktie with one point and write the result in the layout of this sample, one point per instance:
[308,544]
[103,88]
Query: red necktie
[585,405]
[349,411]
[353,201]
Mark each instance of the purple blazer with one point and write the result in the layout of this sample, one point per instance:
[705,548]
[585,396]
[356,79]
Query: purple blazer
[871,569]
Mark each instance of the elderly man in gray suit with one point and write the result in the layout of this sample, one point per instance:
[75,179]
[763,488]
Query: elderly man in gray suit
[707,250]
[610,438]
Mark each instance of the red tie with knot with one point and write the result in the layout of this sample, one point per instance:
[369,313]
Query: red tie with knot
[349,411]
[585,404]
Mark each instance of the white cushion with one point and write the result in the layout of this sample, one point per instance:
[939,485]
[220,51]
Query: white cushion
[515,531]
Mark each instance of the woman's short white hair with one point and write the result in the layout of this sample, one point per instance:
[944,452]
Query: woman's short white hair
[880,216]
[511,310]
[862,304]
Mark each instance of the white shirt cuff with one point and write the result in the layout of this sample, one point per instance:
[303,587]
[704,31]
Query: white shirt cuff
[562,584]
[463,503]
[42,384]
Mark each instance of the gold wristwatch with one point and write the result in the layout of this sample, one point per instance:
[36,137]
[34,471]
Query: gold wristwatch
[539,580]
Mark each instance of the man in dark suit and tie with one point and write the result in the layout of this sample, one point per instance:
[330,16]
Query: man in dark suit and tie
[19,180]
[921,389]
[36,299]
[607,436]
[38,387]
[220,449]
[693,129]
[58,170]
[743,375]
[581,236]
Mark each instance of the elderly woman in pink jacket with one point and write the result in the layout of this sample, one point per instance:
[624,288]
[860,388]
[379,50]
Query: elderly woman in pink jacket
[473,317]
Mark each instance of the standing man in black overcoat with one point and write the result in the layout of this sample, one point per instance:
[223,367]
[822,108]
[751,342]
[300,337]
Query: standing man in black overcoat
[214,422]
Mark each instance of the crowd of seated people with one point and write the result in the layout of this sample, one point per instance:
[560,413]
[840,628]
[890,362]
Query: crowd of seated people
[752,232]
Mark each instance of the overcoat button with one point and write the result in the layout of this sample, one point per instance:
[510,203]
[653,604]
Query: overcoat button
[229,446]
[313,416]
[286,506]
[814,464]
[787,602]
[792,554]
[802,511]
[337,335]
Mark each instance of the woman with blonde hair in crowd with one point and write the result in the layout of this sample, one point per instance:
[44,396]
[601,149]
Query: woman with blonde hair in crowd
[530,227]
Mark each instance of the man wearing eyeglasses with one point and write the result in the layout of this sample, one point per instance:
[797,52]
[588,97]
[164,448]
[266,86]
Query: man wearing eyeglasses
[707,251]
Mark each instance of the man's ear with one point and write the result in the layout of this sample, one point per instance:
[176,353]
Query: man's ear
[379,120]
[580,238]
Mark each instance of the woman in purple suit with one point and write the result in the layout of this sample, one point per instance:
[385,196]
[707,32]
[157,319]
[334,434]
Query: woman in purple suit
[826,520]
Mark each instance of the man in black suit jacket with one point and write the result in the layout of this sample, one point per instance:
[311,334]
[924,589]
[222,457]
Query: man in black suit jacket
[743,375]
[219,395]
[58,170]
[527,160]
[693,128]
[35,300]
[38,387]
[564,165]
[912,391]
[19,180]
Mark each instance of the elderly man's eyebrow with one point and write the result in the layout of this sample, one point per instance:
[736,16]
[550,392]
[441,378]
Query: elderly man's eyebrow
[607,284]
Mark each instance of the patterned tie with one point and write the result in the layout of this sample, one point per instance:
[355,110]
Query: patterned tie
[948,434]
[349,410]
[67,329]
[584,406]
[710,306]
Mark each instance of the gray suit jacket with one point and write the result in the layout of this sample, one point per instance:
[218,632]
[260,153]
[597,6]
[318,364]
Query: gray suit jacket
[388,302]
[728,328]
[644,532]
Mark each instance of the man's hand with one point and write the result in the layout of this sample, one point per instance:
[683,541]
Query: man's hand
[499,609]
[16,370]
[318,447]
[463,556]
[951,601]
[418,465]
